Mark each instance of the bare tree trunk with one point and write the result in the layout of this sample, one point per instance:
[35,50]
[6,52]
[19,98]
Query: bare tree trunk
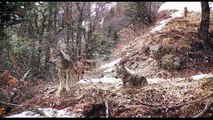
[89,34]
[79,25]
[55,17]
[49,26]
[50,9]
[204,26]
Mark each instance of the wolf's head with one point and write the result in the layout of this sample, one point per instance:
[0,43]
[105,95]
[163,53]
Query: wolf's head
[54,55]
[120,71]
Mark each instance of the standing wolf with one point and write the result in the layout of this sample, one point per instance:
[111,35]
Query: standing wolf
[65,68]
[129,77]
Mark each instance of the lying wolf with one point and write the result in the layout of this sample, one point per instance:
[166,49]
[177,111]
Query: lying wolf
[129,77]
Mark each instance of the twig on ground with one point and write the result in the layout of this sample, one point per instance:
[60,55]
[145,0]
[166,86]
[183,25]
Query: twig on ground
[25,75]
[174,106]
[207,107]
[40,112]
[107,109]
[5,103]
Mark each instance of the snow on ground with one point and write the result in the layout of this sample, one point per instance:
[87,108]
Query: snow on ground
[105,79]
[164,22]
[113,80]
[201,76]
[109,79]
[111,64]
[191,6]
[109,70]
[155,80]
[24,114]
[49,112]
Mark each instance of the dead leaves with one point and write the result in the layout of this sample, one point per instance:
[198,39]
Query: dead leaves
[2,112]
[8,78]
[167,99]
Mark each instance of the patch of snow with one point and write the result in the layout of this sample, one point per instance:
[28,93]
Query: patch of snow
[111,64]
[177,14]
[191,6]
[155,80]
[109,70]
[201,76]
[164,22]
[26,114]
[49,112]
[105,79]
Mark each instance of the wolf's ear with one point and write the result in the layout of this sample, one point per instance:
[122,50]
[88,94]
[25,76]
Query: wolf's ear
[116,66]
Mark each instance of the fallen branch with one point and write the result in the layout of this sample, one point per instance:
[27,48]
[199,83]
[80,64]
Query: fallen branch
[107,109]
[25,75]
[5,103]
[180,105]
[40,112]
[207,107]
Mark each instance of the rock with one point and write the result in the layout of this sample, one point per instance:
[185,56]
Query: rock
[155,48]
[167,62]
[177,63]
[156,51]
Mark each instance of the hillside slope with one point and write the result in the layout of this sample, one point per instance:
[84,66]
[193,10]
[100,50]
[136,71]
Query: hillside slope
[172,52]
[177,42]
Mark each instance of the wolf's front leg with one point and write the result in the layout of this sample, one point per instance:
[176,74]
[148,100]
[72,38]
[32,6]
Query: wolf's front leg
[67,81]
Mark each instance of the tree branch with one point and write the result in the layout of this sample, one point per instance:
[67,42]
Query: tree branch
[207,107]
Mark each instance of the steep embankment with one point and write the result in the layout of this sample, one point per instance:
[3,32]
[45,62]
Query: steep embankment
[171,49]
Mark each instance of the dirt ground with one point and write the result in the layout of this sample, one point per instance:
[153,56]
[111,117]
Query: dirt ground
[184,98]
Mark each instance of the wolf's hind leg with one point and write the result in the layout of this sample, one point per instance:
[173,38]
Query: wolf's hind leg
[61,83]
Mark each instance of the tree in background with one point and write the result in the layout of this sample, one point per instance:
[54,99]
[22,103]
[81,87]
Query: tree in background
[203,31]
[140,12]
[11,13]
[46,25]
